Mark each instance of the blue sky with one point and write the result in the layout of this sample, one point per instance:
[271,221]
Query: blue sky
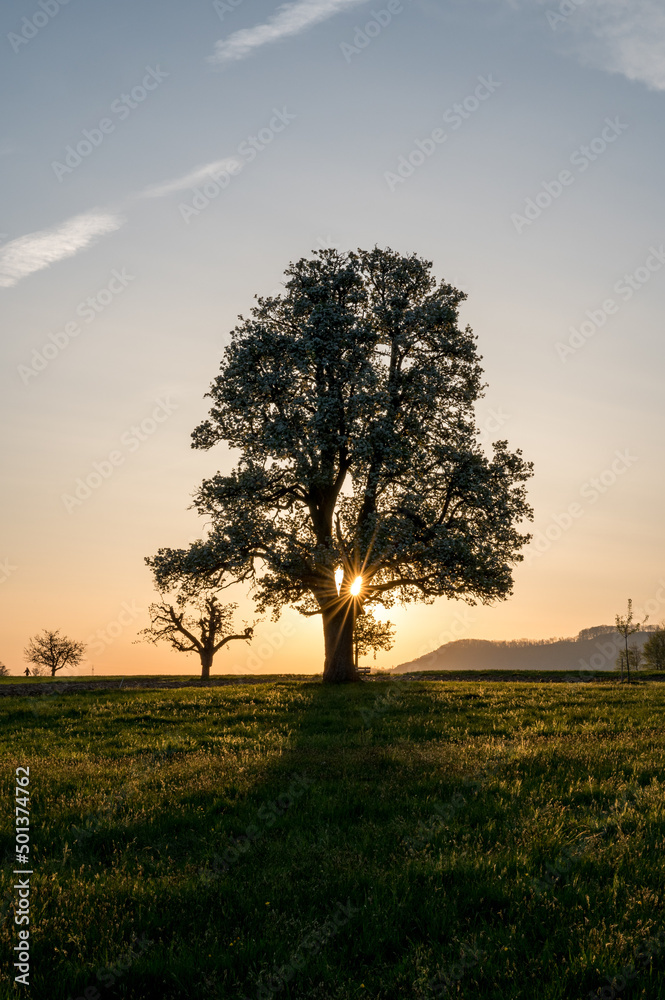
[541,196]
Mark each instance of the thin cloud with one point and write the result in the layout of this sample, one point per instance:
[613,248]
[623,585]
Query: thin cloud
[290,19]
[617,36]
[36,251]
[190,180]
[626,38]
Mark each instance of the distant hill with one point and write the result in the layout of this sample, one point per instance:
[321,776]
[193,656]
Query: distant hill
[593,649]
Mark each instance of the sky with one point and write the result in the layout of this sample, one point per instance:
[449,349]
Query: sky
[162,163]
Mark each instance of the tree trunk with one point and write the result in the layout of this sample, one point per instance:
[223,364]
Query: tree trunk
[338,637]
[206,663]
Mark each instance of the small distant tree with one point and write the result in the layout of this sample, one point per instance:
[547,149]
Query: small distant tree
[189,615]
[370,634]
[4,672]
[627,626]
[50,652]
[654,649]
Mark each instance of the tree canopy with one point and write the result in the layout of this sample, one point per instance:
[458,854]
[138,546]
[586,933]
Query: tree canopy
[350,400]
[370,634]
[654,649]
[51,651]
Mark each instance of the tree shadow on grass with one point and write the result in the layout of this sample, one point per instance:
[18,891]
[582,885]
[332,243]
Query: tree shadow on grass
[293,839]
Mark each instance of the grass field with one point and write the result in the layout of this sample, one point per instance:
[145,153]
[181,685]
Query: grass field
[393,839]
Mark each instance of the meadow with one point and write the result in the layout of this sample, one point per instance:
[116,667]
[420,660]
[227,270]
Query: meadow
[400,838]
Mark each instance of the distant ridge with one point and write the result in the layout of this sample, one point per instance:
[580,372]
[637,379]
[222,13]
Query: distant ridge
[592,649]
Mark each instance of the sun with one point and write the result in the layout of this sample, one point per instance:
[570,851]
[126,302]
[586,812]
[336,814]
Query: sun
[356,586]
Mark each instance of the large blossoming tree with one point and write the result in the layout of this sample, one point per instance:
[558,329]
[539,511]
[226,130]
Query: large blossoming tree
[350,401]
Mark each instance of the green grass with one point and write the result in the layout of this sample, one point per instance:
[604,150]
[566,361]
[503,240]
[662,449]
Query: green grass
[519,823]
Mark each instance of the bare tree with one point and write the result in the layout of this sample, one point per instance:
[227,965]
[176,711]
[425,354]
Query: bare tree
[194,621]
[626,627]
[49,651]
[4,672]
